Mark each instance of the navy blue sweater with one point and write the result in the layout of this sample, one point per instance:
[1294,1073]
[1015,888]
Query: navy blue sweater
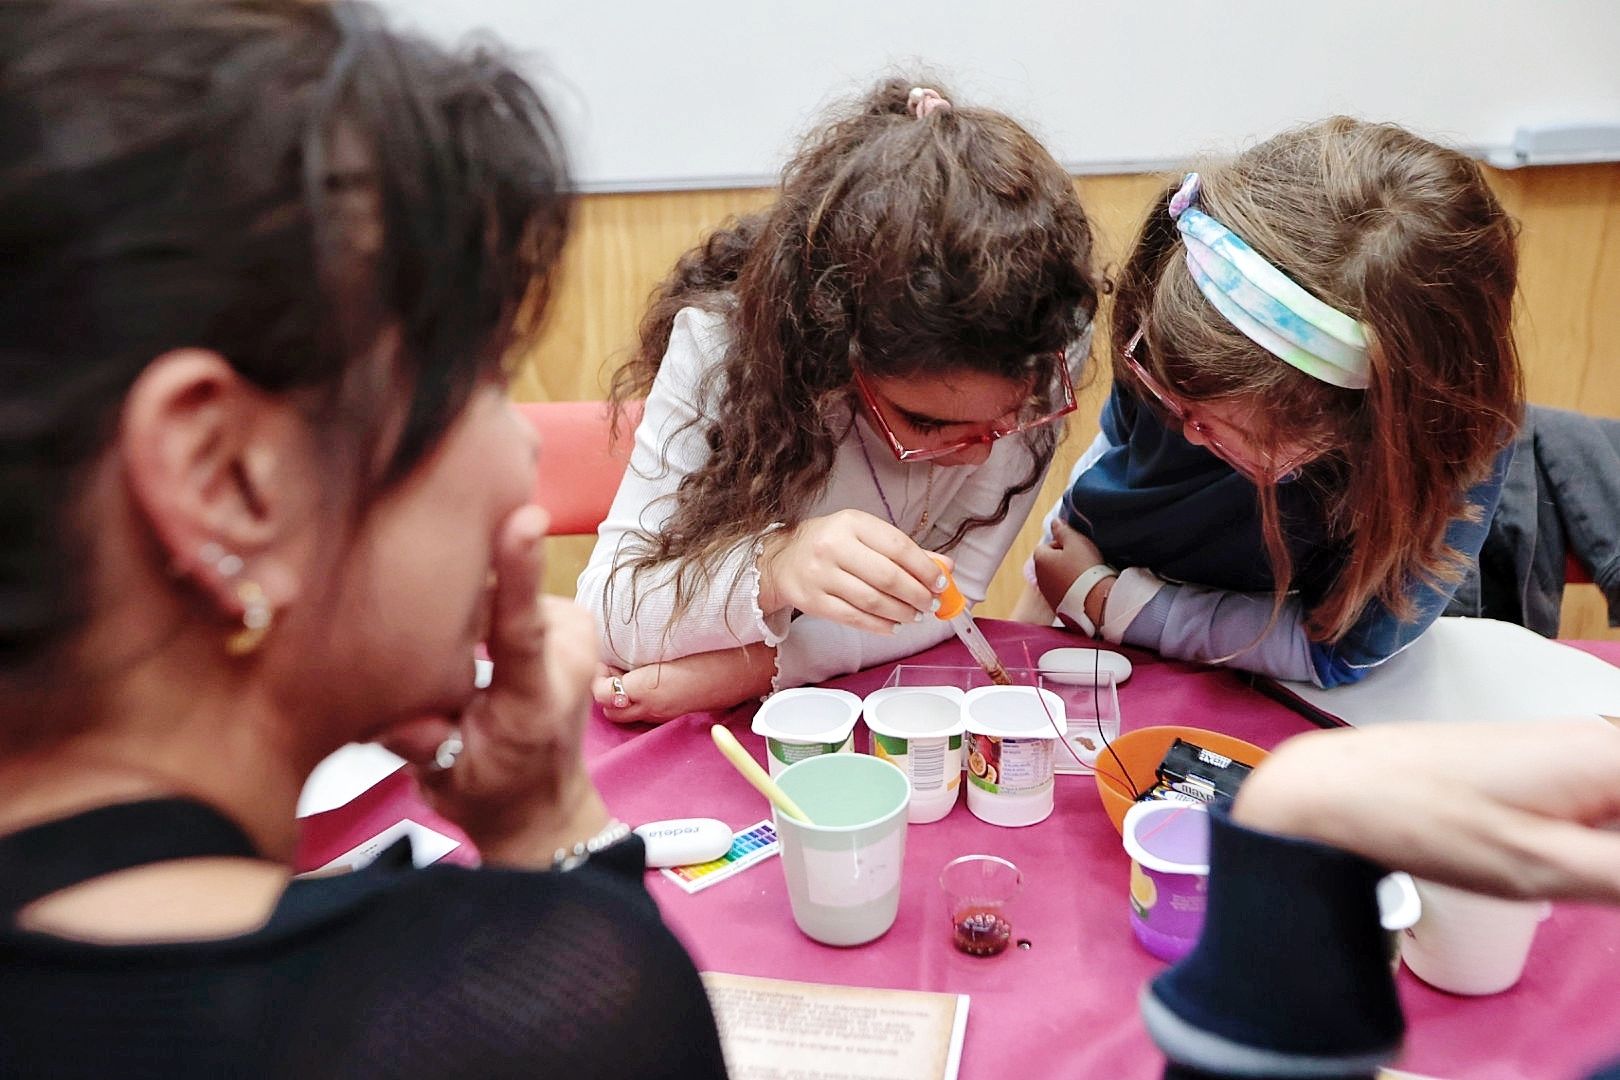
[1152,499]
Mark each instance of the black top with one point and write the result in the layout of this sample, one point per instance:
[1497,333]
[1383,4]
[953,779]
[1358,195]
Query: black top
[386,972]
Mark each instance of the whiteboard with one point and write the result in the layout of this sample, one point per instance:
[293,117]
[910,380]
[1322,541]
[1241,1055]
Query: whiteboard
[715,93]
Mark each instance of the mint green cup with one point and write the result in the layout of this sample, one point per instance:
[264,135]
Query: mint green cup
[843,872]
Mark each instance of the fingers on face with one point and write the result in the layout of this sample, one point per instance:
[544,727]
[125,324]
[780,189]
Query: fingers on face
[570,635]
[517,626]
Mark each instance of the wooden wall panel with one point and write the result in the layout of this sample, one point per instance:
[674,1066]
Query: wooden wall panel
[1568,323]
[1568,319]
[622,247]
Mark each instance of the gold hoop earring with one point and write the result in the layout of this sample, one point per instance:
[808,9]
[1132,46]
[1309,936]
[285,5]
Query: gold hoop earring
[257,616]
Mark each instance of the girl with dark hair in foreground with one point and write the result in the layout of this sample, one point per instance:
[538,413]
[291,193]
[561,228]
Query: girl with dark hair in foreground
[263,261]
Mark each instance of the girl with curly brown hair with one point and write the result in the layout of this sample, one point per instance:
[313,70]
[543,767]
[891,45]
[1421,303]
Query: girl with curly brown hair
[864,373]
[1317,391]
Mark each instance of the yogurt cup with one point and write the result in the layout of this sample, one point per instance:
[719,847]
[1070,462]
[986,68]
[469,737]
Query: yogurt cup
[806,722]
[1010,742]
[1168,843]
[1467,943]
[919,729]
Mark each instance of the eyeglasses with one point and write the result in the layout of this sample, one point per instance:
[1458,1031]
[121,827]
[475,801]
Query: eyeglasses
[1040,408]
[1267,472]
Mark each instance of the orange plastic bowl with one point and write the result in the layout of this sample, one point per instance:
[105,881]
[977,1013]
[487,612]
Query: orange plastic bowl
[1143,749]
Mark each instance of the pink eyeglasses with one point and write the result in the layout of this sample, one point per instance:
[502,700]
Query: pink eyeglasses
[1041,408]
[1181,418]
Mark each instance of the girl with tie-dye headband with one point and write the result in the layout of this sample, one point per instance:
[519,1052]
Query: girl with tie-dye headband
[1316,390]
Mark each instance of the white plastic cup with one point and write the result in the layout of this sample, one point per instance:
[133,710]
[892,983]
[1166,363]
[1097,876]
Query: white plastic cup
[919,730]
[843,872]
[806,722]
[1465,943]
[1012,731]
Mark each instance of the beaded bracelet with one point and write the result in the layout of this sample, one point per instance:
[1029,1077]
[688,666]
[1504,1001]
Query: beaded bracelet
[567,858]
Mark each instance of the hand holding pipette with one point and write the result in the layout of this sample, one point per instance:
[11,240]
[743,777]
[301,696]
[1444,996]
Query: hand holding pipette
[847,567]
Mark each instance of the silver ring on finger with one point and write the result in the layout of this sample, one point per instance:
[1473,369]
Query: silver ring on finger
[621,700]
[444,758]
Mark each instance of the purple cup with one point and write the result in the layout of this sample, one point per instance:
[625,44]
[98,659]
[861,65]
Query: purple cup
[1168,843]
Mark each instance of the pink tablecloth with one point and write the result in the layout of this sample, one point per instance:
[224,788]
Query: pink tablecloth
[1066,1006]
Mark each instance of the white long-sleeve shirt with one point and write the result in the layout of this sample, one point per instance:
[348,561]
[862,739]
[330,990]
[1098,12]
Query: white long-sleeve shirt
[634,621]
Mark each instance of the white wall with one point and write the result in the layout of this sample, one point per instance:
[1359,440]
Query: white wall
[662,94]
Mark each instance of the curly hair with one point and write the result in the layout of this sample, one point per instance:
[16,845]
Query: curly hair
[947,243]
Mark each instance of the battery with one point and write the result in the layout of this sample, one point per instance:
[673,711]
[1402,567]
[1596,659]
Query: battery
[1191,772]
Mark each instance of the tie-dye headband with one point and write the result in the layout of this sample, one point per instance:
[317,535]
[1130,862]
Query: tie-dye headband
[1269,308]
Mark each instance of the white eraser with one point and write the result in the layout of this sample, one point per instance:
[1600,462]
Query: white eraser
[684,841]
[1079,665]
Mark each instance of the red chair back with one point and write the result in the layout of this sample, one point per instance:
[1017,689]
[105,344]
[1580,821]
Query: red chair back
[580,463]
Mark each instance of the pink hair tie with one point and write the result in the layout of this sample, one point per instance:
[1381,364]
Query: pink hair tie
[1192,185]
[923,102]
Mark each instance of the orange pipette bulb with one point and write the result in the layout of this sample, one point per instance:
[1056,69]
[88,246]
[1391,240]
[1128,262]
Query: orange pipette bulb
[953,609]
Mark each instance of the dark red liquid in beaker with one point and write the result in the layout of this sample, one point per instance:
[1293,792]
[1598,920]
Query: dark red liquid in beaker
[981,931]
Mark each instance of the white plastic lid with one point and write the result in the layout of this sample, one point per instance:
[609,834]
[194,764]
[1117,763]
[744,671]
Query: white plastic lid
[915,712]
[1014,712]
[1134,821]
[808,714]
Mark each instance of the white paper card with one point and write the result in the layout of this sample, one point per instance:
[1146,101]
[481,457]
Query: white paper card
[851,877]
[428,846]
[346,773]
[1476,670]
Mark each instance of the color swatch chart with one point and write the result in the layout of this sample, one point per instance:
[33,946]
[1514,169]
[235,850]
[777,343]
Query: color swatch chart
[752,845]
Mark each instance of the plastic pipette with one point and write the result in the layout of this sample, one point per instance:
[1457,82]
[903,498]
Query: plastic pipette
[953,609]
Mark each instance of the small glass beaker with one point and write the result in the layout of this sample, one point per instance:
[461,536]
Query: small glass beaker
[978,891]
